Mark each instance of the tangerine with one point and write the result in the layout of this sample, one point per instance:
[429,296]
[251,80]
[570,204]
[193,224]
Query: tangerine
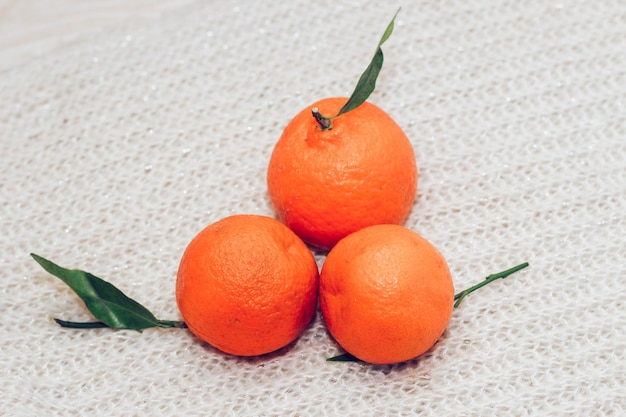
[326,184]
[386,294]
[247,285]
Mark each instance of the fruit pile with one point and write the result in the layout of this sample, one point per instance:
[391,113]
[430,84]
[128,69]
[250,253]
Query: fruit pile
[249,284]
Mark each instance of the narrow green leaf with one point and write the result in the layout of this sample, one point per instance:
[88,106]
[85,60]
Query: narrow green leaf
[173,324]
[389,29]
[367,82]
[365,86]
[80,325]
[345,357]
[108,304]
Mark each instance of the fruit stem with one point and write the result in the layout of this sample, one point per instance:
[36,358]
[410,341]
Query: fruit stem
[460,296]
[325,123]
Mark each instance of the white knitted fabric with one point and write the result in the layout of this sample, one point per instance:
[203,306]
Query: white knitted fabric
[119,148]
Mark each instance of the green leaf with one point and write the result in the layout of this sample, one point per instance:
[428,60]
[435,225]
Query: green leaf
[345,357]
[108,304]
[82,325]
[367,81]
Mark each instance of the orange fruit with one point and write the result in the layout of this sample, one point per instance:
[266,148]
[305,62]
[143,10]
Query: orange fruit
[247,285]
[326,184]
[386,294]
